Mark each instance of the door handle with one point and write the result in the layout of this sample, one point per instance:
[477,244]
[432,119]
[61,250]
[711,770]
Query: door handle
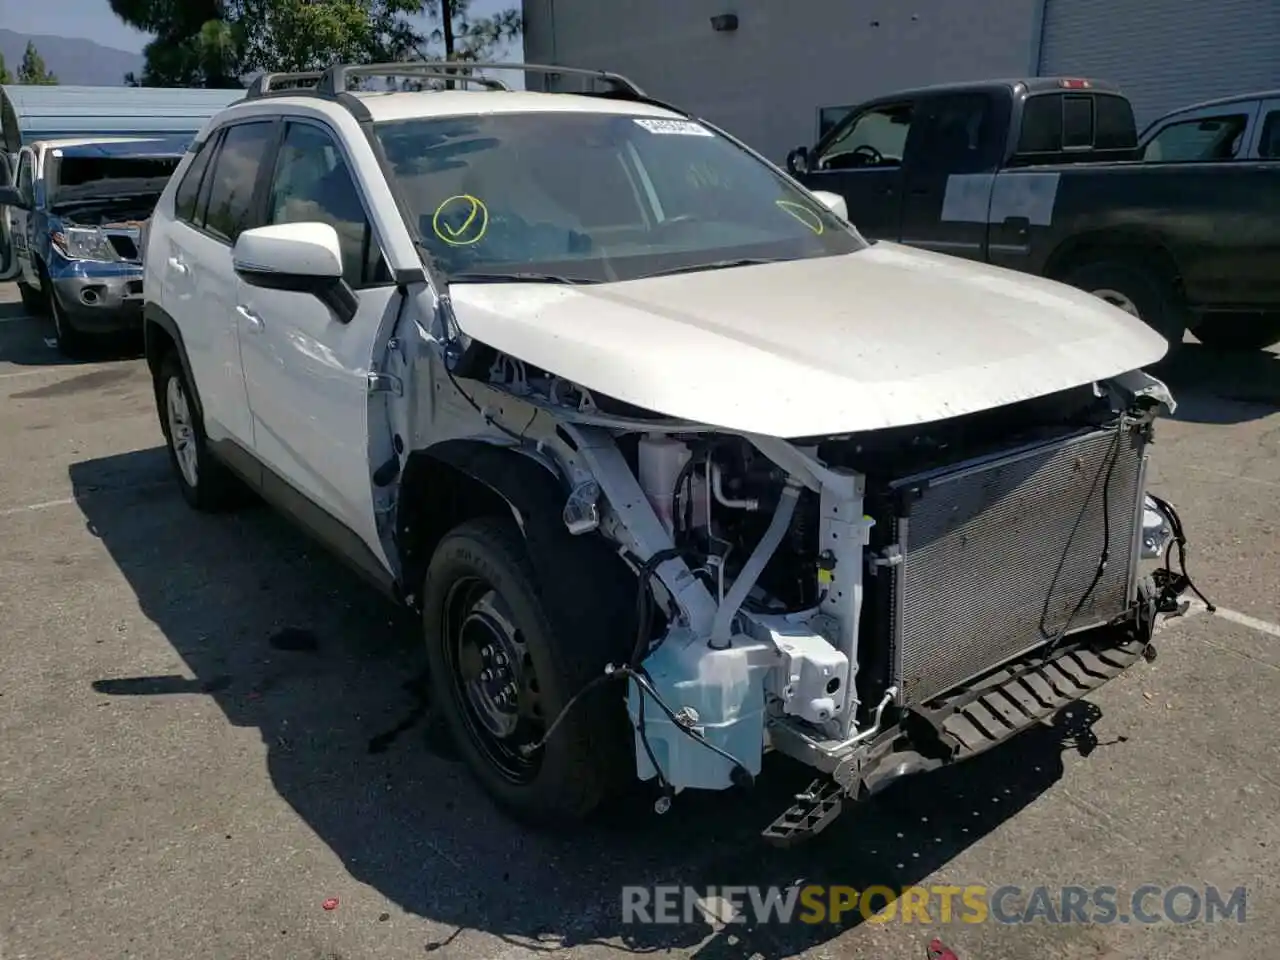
[177,266]
[252,319]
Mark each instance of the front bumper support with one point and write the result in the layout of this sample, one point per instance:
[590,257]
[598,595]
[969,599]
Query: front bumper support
[962,725]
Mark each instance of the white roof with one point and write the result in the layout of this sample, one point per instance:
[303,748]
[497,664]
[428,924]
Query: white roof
[397,105]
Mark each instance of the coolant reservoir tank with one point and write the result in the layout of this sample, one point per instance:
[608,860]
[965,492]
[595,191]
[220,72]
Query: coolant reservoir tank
[661,459]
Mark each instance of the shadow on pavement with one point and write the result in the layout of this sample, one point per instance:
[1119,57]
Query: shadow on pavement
[28,341]
[284,640]
[1222,386]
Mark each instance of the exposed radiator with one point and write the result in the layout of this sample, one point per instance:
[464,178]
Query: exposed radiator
[997,553]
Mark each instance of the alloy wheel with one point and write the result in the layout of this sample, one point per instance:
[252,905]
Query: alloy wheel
[182,435]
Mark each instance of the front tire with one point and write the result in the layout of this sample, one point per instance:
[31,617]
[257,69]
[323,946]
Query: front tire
[1139,289]
[501,674]
[205,483]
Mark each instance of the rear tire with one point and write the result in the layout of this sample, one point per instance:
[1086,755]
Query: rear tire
[486,626]
[1228,333]
[1139,288]
[206,484]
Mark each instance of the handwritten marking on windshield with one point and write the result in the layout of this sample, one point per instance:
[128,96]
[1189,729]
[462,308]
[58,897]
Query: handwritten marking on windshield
[806,215]
[472,228]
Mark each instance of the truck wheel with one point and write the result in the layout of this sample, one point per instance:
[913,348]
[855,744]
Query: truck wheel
[501,674]
[1228,333]
[1138,289]
[205,483]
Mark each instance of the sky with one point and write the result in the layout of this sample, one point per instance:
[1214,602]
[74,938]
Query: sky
[93,20]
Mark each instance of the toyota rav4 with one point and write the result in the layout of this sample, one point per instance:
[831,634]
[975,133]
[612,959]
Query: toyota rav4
[676,467]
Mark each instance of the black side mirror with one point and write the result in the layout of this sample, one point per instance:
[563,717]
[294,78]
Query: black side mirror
[798,161]
[10,197]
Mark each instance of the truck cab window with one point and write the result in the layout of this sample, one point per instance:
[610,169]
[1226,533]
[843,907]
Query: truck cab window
[1077,123]
[1201,139]
[875,138]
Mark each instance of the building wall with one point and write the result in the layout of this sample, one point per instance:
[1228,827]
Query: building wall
[1166,54]
[765,81]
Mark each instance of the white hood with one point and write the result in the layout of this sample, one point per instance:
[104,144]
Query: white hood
[884,337]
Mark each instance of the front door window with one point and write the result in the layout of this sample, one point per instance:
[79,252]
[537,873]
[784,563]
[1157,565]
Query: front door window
[876,138]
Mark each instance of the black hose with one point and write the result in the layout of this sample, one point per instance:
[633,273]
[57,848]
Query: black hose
[1169,583]
[1114,455]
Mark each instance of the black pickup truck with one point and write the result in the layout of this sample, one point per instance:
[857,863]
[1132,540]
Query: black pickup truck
[1042,175]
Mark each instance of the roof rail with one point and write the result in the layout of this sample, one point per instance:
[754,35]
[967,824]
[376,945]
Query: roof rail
[417,70]
[271,82]
[335,79]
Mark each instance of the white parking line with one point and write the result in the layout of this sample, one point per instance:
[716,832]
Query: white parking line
[68,501]
[1233,616]
[1253,623]
[16,319]
[1231,476]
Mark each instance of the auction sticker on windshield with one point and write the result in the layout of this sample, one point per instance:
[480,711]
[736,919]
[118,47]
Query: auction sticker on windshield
[680,128]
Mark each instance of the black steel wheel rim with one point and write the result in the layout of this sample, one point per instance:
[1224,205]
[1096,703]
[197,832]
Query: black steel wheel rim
[492,678]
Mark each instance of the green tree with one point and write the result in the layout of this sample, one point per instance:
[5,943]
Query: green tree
[5,75]
[218,43]
[33,69]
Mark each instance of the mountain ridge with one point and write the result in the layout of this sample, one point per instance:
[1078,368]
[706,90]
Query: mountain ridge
[73,60]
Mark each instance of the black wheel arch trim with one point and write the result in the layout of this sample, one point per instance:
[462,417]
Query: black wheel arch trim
[535,495]
[497,466]
[153,315]
[527,487]
[563,564]
[1106,243]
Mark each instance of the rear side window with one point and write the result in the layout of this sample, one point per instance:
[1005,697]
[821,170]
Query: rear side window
[954,134]
[189,189]
[235,178]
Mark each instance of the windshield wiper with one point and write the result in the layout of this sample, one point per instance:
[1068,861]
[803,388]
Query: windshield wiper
[518,277]
[714,265]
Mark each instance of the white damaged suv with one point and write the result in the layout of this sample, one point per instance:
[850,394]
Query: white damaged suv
[676,466]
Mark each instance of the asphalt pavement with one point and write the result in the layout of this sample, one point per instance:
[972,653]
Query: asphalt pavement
[214,742]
